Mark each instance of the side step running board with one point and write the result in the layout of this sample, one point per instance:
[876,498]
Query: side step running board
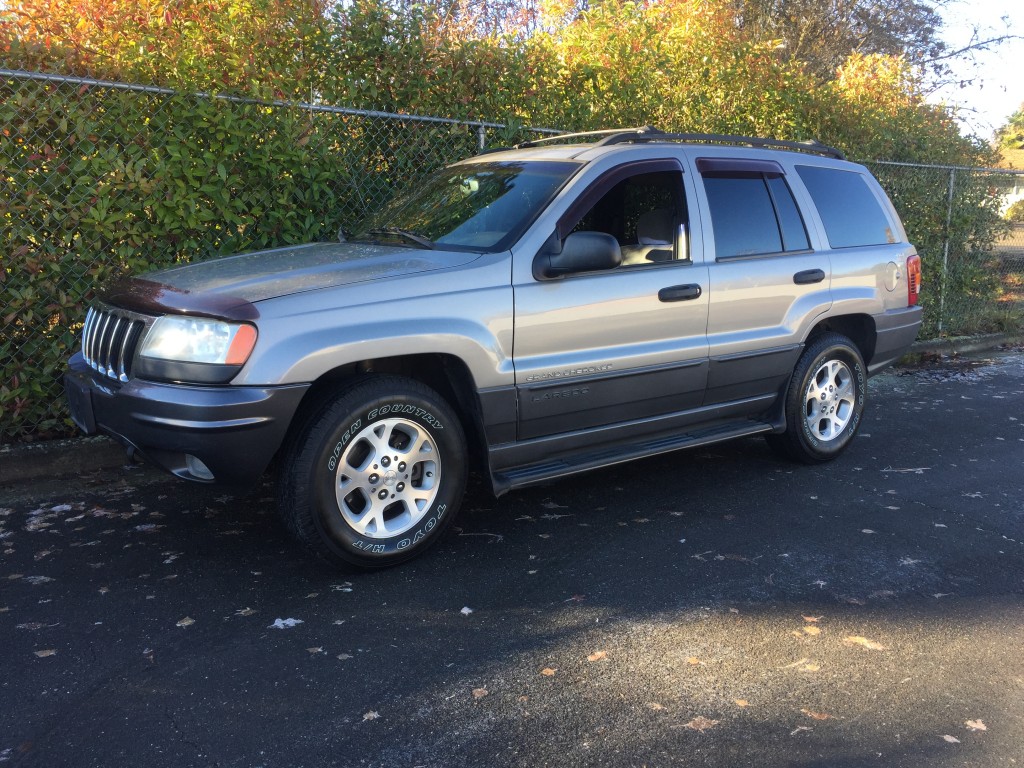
[531,474]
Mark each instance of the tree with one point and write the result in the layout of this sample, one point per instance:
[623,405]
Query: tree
[1011,135]
[823,34]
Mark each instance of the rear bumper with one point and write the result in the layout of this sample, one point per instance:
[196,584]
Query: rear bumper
[895,331]
[234,431]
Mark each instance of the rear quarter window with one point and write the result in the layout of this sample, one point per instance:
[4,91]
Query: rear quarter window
[848,207]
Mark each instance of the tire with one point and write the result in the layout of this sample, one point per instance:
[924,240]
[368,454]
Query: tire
[376,476]
[824,402]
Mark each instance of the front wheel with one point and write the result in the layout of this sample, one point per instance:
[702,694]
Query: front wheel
[824,402]
[377,476]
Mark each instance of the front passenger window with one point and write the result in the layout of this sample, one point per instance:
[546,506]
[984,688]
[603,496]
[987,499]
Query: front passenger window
[646,214]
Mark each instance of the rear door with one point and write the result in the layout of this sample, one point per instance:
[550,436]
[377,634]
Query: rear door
[766,281]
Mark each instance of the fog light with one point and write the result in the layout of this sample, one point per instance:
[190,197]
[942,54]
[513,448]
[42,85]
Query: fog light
[196,468]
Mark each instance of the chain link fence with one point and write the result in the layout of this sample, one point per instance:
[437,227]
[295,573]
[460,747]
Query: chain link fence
[973,257]
[102,179]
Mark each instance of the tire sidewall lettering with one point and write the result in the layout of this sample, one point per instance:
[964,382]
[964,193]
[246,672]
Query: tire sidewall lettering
[378,547]
[405,409]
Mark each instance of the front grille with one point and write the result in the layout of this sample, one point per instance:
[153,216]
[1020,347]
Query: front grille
[109,340]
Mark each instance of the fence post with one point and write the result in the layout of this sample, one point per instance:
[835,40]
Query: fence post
[481,133]
[945,247]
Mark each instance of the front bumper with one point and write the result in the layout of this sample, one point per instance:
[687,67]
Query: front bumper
[234,431]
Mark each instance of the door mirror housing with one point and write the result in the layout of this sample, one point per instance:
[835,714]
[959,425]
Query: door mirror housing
[581,252]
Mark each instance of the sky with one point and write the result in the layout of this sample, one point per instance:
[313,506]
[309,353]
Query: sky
[996,87]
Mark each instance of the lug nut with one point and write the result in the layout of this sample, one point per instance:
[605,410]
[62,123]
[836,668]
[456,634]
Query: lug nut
[386,461]
[374,478]
[383,494]
[401,466]
[400,487]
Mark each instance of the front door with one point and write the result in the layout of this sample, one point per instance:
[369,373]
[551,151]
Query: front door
[622,344]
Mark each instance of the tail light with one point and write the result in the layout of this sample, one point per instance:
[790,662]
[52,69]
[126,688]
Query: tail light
[913,279]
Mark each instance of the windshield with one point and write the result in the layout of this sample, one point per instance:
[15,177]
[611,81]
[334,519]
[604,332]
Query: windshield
[474,207]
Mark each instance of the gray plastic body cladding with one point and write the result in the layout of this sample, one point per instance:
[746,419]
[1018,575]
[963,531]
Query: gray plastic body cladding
[895,331]
[593,401]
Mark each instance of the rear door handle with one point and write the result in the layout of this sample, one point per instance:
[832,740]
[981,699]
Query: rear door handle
[679,293]
[809,276]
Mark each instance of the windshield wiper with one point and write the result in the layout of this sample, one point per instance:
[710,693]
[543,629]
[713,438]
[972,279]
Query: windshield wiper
[412,237]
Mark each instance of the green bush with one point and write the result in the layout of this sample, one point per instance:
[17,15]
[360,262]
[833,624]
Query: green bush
[1015,213]
[109,182]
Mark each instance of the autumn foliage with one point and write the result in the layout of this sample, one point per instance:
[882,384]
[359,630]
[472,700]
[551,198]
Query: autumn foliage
[694,65]
[109,181]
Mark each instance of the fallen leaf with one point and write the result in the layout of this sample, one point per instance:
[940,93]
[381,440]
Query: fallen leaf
[597,656]
[285,623]
[871,645]
[371,715]
[813,631]
[799,728]
[479,693]
[245,612]
[950,739]
[816,715]
[656,706]
[466,611]
[701,723]
[976,725]
[548,672]
[47,652]
[315,650]
[796,664]
[188,621]
[344,656]
[693,661]
[810,668]
[812,619]
[741,702]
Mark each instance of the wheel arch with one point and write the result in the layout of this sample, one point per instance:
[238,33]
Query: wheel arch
[859,328]
[446,374]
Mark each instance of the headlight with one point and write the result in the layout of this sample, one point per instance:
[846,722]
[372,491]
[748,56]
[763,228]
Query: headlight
[199,340]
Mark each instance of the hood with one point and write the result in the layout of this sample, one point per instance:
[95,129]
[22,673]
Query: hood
[224,287]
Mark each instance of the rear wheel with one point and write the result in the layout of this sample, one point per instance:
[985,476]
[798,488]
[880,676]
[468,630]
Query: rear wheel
[377,476]
[824,402]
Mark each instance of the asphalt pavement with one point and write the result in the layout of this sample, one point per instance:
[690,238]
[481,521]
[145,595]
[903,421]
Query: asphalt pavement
[719,607]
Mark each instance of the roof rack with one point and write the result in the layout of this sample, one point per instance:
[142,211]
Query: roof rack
[649,133]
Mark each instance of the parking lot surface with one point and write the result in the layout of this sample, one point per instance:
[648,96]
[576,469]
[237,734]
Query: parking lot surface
[719,607]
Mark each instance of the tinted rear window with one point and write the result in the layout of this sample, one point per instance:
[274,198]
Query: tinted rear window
[848,208]
[742,215]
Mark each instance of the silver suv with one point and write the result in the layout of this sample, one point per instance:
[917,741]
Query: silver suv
[536,312]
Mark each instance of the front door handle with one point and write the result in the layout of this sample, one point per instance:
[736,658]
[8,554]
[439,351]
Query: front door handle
[679,293]
[809,276]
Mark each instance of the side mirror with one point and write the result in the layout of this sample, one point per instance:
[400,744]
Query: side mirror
[581,252]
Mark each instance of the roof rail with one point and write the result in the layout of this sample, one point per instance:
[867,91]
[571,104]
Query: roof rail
[609,132]
[649,133]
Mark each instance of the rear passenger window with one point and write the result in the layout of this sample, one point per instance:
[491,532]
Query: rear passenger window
[848,208]
[752,214]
